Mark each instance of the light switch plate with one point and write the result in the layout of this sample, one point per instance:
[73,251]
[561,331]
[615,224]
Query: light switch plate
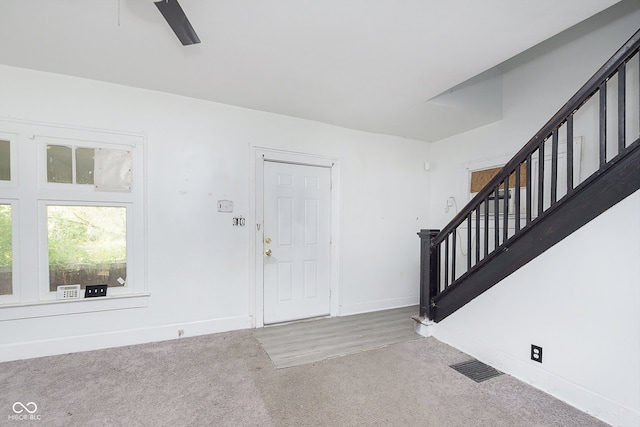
[225,206]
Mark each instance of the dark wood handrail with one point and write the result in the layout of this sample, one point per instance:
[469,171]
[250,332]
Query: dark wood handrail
[581,97]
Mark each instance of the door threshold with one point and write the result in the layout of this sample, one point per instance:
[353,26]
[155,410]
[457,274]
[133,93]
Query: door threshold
[289,322]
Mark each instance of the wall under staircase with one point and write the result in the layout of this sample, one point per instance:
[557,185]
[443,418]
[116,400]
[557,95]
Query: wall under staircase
[580,302]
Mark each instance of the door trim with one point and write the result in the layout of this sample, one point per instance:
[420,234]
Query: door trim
[256,221]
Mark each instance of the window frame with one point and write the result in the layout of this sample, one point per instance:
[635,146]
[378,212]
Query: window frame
[43,246]
[30,193]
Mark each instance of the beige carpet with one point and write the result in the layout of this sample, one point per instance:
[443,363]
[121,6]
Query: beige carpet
[227,380]
[315,340]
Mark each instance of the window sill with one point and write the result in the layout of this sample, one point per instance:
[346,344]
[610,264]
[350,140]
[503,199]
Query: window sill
[71,306]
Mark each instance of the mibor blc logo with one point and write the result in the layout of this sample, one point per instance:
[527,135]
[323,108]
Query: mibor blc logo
[24,412]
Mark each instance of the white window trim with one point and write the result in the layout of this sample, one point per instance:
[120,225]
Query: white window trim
[72,306]
[31,297]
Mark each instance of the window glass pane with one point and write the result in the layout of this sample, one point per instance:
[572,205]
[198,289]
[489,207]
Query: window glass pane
[87,245]
[59,168]
[6,255]
[5,161]
[84,166]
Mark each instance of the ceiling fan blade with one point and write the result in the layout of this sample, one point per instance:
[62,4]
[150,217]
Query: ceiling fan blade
[178,21]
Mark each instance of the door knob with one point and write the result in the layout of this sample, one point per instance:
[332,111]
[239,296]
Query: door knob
[267,252]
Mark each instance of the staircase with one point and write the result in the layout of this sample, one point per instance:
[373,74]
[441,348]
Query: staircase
[539,197]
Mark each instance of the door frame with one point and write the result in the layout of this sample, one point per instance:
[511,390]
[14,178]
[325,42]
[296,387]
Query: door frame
[256,221]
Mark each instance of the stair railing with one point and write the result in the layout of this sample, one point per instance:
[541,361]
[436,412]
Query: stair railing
[530,187]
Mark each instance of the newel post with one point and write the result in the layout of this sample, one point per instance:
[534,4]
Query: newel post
[429,265]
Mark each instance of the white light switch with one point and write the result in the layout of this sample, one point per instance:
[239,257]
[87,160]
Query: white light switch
[225,206]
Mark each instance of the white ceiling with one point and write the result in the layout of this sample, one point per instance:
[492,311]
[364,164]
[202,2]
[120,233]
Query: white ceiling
[369,65]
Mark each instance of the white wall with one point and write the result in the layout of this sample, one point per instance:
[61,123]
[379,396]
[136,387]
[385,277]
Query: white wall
[580,299]
[198,264]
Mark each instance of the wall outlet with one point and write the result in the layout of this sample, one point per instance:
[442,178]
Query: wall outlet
[536,353]
[95,291]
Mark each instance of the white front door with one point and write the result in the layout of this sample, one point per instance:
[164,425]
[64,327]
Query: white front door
[296,241]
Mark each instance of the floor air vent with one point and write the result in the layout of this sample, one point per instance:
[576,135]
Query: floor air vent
[476,370]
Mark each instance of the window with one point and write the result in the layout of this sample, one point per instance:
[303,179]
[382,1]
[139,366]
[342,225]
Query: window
[87,245]
[5,160]
[107,169]
[480,178]
[59,164]
[6,252]
[74,200]
[84,165]
[89,197]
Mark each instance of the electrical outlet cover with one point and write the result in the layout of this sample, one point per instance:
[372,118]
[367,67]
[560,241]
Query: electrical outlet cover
[95,291]
[536,353]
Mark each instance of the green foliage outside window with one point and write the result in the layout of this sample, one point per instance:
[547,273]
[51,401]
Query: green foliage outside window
[6,257]
[87,245]
[86,235]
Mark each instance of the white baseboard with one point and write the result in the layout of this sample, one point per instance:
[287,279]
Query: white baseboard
[52,347]
[573,394]
[369,306]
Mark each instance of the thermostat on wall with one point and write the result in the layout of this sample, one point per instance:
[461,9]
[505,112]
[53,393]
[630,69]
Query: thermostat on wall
[225,206]
[68,291]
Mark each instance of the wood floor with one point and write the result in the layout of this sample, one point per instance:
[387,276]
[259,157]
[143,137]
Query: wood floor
[315,340]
